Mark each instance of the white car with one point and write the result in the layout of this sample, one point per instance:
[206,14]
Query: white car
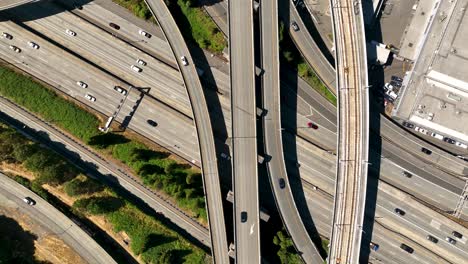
[70,32]
[33,45]
[144,33]
[461,145]
[184,60]
[225,156]
[15,49]
[7,36]
[90,97]
[82,84]
[29,200]
[135,68]
[141,62]
[120,90]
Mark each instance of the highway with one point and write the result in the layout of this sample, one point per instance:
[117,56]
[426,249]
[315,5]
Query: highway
[353,132]
[209,163]
[6,4]
[272,131]
[244,132]
[52,219]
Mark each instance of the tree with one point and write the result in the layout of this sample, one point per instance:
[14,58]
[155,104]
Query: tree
[37,161]
[23,152]
[55,174]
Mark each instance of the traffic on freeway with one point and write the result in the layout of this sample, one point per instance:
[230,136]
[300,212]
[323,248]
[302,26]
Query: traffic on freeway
[147,78]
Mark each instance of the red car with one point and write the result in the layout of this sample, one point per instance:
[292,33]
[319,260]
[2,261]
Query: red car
[312,125]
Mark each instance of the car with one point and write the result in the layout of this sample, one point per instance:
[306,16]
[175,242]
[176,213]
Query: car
[461,145]
[449,140]
[396,84]
[135,68]
[407,174]
[407,124]
[144,33]
[438,136]
[399,212]
[151,123]
[114,26]
[423,131]
[141,62]
[33,45]
[90,97]
[294,26]
[312,125]
[184,60]
[15,49]
[243,216]
[457,235]
[426,151]
[407,248]
[120,90]
[432,239]
[82,84]
[282,183]
[225,156]
[29,200]
[374,246]
[397,79]
[451,240]
[70,32]
[7,36]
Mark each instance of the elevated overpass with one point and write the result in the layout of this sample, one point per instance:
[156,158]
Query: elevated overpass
[244,132]
[273,142]
[209,166]
[353,131]
[5,4]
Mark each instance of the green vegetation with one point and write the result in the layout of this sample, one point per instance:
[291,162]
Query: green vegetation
[30,94]
[156,169]
[291,56]
[197,25]
[286,252]
[150,239]
[138,8]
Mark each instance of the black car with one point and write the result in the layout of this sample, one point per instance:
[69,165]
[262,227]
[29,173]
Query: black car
[407,248]
[449,140]
[407,124]
[432,239]
[396,84]
[151,123]
[282,183]
[294,26]
[397,79]
[451,240]
[243,217]
[114,26]
[426,151]
[457,235]
[407,174]
[399,211]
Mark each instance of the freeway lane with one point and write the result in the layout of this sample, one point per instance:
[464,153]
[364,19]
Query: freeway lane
[244,132]
[204,130]
[272,130]
[52,219]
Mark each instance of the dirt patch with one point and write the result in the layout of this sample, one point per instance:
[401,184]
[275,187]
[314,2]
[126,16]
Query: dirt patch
[16,169]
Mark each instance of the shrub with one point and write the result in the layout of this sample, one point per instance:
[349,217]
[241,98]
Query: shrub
[98,205]
[80,186]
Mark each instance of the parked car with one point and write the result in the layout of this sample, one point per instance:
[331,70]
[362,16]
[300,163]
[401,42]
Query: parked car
[426,151]
[407,248]
[374,246]
[282,183]
[82,84]
[120,90]
[15,49]
[457,235]
[243,216]
[141,62]
[397,79]
[225,156]
[70,32]
[29,200]
[407,124]
[396,84]
[449,140]
[144,33]
[294,26]
[114,26]
[451,240]
[90,97]
[7,36]
[432,239]
[151,123]
[399,211]
[407,174]
[184,60]
[135,68]
[33,45]
[438,136]
[461,145]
